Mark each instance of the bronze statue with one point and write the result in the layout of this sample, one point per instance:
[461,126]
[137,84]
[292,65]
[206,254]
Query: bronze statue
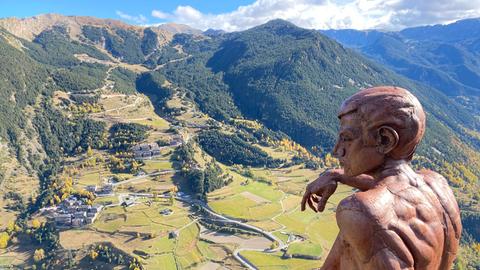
[399,219]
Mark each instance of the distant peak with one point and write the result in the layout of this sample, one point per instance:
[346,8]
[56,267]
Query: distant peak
[176,28]
[278,23]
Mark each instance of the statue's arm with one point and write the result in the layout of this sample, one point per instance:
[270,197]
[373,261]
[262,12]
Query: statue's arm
[318,191]
[362,182]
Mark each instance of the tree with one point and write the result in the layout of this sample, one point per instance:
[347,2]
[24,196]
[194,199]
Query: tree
[4,238]
[36,224]
[10,226]
[89,151]
[93,254]
[39,255]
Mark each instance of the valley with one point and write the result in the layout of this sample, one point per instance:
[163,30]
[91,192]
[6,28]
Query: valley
[191,151]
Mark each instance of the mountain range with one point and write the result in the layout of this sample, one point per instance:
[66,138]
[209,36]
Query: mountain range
[442,56]
[289,79]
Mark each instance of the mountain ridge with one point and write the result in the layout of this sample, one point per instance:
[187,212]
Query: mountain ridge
[443,56]
[275,85]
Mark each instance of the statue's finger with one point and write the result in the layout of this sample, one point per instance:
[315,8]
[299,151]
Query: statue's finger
[321,203]
[310,203]
[304,200]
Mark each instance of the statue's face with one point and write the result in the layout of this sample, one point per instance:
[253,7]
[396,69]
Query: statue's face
[355,157]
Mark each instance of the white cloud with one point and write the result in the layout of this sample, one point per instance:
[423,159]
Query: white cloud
[140,19]
[328,14]
[160,14]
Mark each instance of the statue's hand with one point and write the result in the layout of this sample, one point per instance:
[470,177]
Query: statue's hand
[320,190]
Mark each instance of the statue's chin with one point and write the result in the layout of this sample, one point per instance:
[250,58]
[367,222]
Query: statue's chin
[347,171]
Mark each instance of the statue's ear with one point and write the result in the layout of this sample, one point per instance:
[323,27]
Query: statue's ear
[387,139]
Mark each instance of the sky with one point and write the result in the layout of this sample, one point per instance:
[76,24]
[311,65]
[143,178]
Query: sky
[235,15]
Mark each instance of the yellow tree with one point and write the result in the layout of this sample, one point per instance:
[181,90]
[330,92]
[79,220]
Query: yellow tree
[4,238]
[36,224]
[93,254]
[89,151]
[39,255]
[10,226]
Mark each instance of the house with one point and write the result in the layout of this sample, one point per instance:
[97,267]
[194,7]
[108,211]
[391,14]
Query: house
[77,222]
[91,188]
[83,208]
[75,213]
[63,219]
[128,201]
[79,214]
[70,201]
[166,212]
[106,190]
[173,234]
[146,150]
[177,140]
[95,209]
[141,173]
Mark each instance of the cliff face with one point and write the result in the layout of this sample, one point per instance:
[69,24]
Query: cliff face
[29,28]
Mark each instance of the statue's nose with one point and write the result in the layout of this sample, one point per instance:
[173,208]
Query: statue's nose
[338,151]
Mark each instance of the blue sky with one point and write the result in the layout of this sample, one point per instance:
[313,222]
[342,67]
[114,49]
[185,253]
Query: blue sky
[108,8]
[242,14]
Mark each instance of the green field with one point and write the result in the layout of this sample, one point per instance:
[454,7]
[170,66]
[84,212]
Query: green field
[319,229]
[156,165]
[270,261]
[305,248]
[164,261]
[141,218]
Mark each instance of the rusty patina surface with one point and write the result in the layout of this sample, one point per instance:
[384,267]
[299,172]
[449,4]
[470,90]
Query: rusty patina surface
[399,218]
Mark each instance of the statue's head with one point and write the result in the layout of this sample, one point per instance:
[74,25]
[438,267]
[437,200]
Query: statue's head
[378,123]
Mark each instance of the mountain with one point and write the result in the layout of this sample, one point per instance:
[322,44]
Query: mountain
[266,72]
[272,85]
[442,56]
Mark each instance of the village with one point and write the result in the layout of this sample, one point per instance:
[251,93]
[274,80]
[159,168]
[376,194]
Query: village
[76,213]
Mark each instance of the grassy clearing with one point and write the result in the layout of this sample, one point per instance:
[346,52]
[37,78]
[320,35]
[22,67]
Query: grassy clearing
[160,245]
[164,262]
[276,153]
[305,248]
[267,225]
[106,200]
[282,236]
[275,261]
[154,122]
[236,206]
[186,249]
[141,218]
[6,261]
[93,178]
[156,165]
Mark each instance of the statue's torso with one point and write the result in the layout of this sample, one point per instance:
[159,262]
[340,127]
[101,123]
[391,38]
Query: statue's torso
[413,217]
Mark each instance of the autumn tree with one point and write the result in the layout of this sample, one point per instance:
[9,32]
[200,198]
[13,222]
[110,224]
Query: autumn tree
[4,238]
[36,224]
[39,255]
[93,254]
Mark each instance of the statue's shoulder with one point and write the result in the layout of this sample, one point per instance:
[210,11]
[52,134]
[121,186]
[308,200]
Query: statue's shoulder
[358,221]
[371,205]
[431,177]
[439,185]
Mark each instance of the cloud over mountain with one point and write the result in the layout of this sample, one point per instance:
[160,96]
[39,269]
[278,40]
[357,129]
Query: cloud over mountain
[329,14]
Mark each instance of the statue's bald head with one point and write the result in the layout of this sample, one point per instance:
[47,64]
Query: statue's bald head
[389,106]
